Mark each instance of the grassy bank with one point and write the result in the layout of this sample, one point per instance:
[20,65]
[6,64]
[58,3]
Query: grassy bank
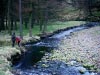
[83,46]
[5,38]
[5,53]
[53,26]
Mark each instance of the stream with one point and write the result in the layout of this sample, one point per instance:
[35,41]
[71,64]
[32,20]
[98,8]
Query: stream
[30,62]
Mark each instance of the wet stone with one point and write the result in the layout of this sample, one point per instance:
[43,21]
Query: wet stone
[56,68]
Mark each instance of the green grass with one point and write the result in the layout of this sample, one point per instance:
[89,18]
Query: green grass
[52,26]
[2,73]
[96,13]
[61,25]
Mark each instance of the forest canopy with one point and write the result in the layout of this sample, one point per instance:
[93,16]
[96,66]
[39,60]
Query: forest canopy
[41,11]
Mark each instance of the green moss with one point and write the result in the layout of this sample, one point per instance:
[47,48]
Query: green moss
[5,43]
[96,13]
[82,72]
[2,73]
[5,53]
[45,65]
[90,67]
[2,61]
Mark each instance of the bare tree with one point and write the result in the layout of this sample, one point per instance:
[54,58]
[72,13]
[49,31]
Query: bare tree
[30,26]
[8,16]
[20,18]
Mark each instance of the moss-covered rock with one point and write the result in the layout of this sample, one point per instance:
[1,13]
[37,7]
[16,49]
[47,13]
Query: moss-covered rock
[90,67]
[27,39]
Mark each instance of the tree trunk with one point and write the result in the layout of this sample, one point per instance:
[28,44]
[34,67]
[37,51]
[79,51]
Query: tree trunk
[8,16]
[2,27]
[33,16]
[12,26]
[6,24]
[41,24]
[45,20]
[30,22]
[25,24]
[15,24]
[2,14]
[30,27]
[89,7]
[20,18]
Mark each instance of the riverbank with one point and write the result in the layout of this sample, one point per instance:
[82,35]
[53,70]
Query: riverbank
[71,57]
[6,52]
[11,55]
[74,47]
[83,46]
